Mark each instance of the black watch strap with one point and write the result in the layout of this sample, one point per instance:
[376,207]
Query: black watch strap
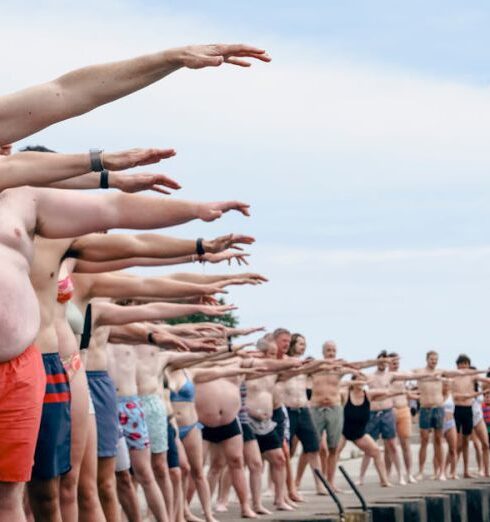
[104,179]
[96,160]
[199,247]
[150,338]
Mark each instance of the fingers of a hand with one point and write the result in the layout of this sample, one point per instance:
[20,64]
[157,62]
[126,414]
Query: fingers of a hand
[237,61]
[155,188]
[160,179]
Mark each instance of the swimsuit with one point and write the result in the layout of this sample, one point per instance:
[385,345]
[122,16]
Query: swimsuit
[156,420]
[449,423]
[65,290]
[186,393]
[22,389]
[331,420]
[104,396]
[382,422]
[220,433]
[53,448]
[477,411]
[356,418]
[431,418]
[302,426]
[132,421]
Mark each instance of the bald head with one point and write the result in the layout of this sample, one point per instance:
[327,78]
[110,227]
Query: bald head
[329,350]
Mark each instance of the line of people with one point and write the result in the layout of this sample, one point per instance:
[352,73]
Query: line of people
[64,292]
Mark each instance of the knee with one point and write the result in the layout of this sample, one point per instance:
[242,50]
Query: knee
[323,451]
[279,460]
[332,452]
[235,462]
[107,487]
[68,488]
[123,480]
[160,471]
[215,467]
[144,476]
[175,475]
[255,466]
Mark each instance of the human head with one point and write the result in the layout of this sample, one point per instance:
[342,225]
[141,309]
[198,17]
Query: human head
[381,365]
[432,358]
[329,350]
[6,150]
[297,346]
[463,362]
[394,364]
[267,346]
[282,338]
[358,384]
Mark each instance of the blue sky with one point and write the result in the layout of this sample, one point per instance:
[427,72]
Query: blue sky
[363,149]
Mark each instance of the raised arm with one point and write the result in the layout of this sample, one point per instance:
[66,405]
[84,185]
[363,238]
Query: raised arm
[28,111]
[94,247]
[211,374]
[111,314]
[210,279]
[44,168]
[85,213]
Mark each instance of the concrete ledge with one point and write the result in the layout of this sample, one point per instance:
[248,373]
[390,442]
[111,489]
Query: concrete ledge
[387,512]
[459,506]
[414,509]
[438,507]
[477,501]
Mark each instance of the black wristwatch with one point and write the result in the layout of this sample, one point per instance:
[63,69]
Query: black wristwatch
[104,179]
[150,338]
[199,247]
[96,160]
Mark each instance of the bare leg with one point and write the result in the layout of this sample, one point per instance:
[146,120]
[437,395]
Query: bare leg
[11,505]
[194,450]
[438,453]
[452,452]
[89,503]
[233,451]
[127,496]
[463,444]
[332,466]
[106,479]
[407,457]
[366,459]
[223,491]
[324,454]
[300,470]
[424,442]
[390,447]
[44,499]
[143,472]
[162,476]
[253,460]
[79,435]
[481,433]
[370,448]
[277,461]
[178,500]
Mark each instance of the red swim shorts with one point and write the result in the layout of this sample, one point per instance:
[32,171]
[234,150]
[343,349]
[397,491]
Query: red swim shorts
[22,387]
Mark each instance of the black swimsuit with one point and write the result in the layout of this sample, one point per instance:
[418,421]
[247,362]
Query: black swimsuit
[356,419]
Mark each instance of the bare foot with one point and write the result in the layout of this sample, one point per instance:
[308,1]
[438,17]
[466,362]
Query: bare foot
[411,479]
[261,510]
[453,477]
[386,485]
[190,517]
[419,476]
[248,512]
[322,492]
[283,506]
[442,477]
[221,507]
[402,482]
[212,519]
[360,482]
[469,475]
[296,497]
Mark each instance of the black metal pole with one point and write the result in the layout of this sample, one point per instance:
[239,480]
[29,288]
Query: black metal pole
[328,487]
[354,488]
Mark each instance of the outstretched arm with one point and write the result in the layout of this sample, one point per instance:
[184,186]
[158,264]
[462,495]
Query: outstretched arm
[210,279]
[122,287]
[94,247]
[111,314]
[85,213]
[44,168]
[28,111]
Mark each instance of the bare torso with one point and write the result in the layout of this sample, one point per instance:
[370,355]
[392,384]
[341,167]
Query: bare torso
[463,385]
[295,392]
[218,401]
[399,401]
[149,369]
[19,308]
[380,381]
[430,391]
[326,389]
[123,369]
[260,399]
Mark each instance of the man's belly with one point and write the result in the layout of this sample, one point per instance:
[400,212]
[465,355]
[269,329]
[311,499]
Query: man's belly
[325,396]
[19,313]
[217,402]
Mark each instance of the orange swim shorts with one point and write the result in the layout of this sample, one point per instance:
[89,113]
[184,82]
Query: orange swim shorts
[22,387]
[403,422]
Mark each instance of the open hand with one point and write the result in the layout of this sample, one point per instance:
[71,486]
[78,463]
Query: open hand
[144,181]
[227,255]
[211,211]
[229,241]
[128,159]
[199,56]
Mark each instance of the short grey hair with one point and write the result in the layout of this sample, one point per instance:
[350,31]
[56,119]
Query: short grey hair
[264,343]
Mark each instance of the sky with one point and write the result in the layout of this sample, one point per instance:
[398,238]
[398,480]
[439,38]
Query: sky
[362,148]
